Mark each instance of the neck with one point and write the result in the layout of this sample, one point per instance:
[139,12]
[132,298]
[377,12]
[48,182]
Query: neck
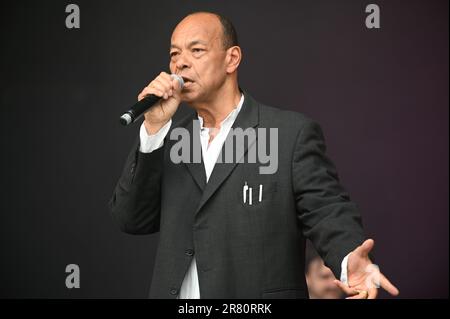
[217,109]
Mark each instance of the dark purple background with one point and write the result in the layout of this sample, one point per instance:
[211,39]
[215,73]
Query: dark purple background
[381,97]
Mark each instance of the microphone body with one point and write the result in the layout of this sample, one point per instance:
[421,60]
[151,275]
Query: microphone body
[138,109]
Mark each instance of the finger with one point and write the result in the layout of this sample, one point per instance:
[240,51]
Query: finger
[367,246]
[388,286]
[163,84]
[158,87]
[158,91]
[162,94]
[149,91]
[140,96]
[373,293]
[176,86]
[143,94]
[166,80]
[166,76]
[346,289]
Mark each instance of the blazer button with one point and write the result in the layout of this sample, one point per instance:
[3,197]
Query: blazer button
[173,291]
[189,252]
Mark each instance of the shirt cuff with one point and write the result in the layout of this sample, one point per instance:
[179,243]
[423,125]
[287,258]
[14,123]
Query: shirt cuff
[149,143]
[344,278]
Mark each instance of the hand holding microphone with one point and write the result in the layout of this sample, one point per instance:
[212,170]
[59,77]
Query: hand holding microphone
[158,102]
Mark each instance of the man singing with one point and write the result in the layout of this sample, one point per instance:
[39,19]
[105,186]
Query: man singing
[226,229]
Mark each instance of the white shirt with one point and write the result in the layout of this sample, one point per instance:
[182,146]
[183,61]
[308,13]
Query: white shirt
[190,288]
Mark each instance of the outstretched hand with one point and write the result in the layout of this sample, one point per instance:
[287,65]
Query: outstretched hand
[363,277]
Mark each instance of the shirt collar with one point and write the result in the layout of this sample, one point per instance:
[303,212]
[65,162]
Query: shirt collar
[231,117]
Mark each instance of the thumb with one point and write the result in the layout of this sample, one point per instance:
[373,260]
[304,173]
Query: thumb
[176,84]
[366,247]
[346,289]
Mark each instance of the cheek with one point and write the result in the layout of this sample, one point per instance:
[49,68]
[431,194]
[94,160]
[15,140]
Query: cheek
[172,67]
[213,77]
[208,71]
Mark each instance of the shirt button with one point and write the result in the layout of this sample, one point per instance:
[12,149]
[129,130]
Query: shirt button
[189,252]
[173,291]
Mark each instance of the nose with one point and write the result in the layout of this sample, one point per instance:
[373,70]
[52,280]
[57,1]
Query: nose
[182,62]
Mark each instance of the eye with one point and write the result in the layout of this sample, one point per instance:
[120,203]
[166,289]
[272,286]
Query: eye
[197,50]
[173,54]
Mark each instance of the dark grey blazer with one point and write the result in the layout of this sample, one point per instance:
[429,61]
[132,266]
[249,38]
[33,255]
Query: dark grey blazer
[242,251]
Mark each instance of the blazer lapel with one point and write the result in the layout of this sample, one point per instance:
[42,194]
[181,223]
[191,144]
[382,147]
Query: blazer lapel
[248,117]
[197,170]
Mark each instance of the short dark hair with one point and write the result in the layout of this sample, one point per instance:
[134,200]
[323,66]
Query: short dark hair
[230,38]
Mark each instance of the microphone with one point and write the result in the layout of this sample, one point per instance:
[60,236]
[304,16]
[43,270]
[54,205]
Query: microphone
[136,111]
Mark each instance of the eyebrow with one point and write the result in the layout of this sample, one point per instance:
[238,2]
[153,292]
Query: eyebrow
[192,43]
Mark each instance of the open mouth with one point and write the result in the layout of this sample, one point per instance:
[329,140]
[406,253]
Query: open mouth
[187,80]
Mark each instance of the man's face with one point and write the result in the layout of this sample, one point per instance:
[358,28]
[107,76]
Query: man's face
[198,55]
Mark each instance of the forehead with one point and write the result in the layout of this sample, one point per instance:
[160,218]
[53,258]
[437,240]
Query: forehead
[204,28]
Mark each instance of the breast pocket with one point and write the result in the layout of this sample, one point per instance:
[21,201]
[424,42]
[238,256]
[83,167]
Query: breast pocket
[256,193]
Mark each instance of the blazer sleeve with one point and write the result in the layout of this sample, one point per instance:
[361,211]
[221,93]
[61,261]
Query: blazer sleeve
[328,217]
[136,200]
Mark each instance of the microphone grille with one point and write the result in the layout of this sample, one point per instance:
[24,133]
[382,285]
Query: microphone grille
[179,79]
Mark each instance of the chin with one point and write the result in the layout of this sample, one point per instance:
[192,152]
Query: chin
[189,97]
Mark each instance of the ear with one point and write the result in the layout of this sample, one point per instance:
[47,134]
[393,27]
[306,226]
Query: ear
[233,59]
